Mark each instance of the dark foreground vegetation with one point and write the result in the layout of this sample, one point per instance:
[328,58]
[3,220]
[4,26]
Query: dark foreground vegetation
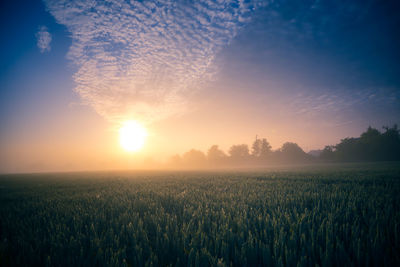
[338,216]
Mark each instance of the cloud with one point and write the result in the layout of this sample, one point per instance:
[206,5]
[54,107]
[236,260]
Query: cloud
[142,59]
[43,39]
[333,109]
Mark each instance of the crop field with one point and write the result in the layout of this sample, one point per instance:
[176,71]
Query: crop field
[326,216]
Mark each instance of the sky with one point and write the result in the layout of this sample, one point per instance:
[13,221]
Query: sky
[194,73]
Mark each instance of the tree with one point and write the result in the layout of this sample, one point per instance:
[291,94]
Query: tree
[266,148]
[216,155]
[256,148]
[391,143]
[239,152]
[372,145]
[292,152]
[347,150]
[261,148]
[327,153]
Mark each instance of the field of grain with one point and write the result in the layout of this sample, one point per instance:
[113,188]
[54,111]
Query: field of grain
[327,216]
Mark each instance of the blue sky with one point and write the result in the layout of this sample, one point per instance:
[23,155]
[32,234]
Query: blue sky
[340,53]
[31,82]
[329,67]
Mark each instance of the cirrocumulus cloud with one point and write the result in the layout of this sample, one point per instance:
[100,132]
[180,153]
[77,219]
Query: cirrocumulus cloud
[140,59]
[43,39]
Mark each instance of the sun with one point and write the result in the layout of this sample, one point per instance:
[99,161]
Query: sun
[132,136]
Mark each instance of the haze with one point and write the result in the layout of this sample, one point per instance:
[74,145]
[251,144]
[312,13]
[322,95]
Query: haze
[194,74]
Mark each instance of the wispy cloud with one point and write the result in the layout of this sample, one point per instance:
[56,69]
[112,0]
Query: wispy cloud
[43,39]
[335,109]
[141,59]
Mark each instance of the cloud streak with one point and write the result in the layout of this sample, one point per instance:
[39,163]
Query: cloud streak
[43,39]
[142,59]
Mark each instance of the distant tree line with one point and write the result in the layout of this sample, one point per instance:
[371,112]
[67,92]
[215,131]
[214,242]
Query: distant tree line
[372,145]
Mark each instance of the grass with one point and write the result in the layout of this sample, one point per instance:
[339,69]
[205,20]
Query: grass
[312,215]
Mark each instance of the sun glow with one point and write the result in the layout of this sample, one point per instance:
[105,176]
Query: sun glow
[132,136]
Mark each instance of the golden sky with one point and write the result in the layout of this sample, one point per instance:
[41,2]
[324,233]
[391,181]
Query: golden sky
[194,74]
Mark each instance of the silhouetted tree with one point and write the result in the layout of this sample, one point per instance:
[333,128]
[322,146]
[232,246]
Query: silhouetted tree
[372,145]
[327,153]
[347,149]
[391,143]
[292,152]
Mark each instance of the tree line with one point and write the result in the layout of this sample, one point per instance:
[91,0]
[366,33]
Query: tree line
[372,145]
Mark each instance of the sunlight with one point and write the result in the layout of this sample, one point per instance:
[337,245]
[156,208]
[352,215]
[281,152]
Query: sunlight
[132,136]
